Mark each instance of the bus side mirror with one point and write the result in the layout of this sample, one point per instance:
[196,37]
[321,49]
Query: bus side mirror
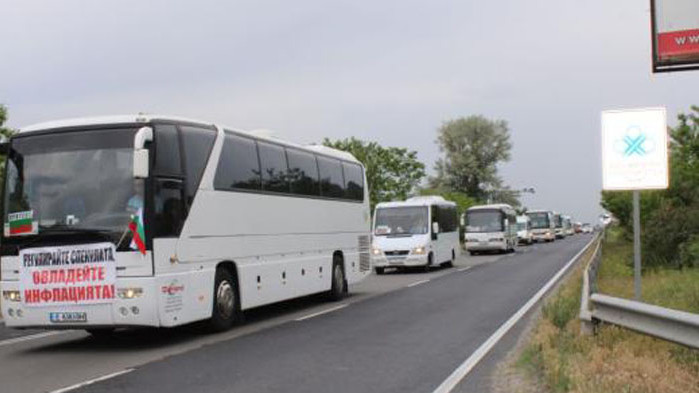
[435,228]
[141,158]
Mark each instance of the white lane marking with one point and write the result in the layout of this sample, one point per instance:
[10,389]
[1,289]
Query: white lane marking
[37,336]
[91,381]
[462,371]
[416,283]
[309,316]
[463,269]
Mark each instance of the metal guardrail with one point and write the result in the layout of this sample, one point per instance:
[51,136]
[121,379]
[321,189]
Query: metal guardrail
[664,323]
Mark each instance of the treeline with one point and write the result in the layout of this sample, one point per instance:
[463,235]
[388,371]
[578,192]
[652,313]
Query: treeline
[669,218]
[466,173]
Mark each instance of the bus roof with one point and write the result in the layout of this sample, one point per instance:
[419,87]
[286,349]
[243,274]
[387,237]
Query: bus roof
[539,211]
[417,201]
[496,206]
[147,118]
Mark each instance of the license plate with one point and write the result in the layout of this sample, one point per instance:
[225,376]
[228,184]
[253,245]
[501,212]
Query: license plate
[68,317]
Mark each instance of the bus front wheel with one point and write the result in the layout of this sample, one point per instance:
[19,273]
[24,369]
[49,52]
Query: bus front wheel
[225,305]
[338,288]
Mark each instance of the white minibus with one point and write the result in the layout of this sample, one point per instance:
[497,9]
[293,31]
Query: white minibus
[560,230]
[524,233]
[421,231]
[160,221]
[491,228]
[568,229]
[543,225]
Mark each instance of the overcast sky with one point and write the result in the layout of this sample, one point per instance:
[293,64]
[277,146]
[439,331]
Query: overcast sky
[390,71]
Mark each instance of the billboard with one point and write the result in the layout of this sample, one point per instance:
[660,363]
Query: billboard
[634,149]
[675,26]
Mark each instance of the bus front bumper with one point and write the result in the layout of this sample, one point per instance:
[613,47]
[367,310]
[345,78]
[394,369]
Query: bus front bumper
[486,245]
[138,310]
[409,260]
[541,237]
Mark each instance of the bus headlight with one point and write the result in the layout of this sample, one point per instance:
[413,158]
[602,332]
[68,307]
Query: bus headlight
[375,251]
[129,293]
[11,296]
[419,251]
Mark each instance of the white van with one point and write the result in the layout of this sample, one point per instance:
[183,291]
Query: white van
[491,228]
[524,233]
[558,220]
[568,229]
[421,231]
[543,225]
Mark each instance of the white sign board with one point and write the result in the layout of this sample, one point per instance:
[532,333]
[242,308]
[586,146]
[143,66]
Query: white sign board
[634,149]
[68,275]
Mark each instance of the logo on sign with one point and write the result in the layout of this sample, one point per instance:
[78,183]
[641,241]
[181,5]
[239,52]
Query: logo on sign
[634,143]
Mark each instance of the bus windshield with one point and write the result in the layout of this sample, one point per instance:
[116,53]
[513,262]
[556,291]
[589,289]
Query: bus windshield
[539,220]
[71,181]
[401,221]
[484,221]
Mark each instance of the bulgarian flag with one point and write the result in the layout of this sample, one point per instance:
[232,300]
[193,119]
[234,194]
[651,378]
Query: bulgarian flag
[21,223]
[138,239]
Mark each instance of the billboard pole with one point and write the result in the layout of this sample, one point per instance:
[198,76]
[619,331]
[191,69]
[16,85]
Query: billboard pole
[636,245]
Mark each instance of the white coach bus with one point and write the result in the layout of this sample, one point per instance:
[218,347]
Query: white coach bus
[161,221]
[422,231]
[491,228]
[543,225]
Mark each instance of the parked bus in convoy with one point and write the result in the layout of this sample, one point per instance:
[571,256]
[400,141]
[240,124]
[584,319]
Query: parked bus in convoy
[543,225]
[524,233]
[421,231]
[568,226]
[558,220]
[491,228]
[161,221]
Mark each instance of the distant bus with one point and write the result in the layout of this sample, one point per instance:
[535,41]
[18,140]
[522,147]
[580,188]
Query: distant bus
[162,221]
[524,232]
[543,225]
[421,231]
[558,220]
[568,229]
[491,228]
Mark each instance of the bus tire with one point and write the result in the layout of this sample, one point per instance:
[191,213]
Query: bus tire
[451,261]
[225,301]
[338,287]
[430,261]
[379,270]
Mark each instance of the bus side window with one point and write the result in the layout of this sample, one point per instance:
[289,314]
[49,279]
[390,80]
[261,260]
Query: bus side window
[169,207]
[167,151]
[303,173]
[332,182]
[435,218]
[354,181]
[274,167]
[196,144]
[239,165]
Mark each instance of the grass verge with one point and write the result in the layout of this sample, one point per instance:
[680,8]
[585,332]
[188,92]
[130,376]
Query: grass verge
[558,357]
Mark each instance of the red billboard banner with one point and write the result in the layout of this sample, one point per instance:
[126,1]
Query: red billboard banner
[675,34]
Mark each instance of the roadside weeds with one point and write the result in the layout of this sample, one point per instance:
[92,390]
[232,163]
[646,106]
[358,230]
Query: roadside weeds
[552,355]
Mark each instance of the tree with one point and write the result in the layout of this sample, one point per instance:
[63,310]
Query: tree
[5,131]
[472,148]
[392,172]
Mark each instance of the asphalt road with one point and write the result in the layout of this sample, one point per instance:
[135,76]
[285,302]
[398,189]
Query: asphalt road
[398,332]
